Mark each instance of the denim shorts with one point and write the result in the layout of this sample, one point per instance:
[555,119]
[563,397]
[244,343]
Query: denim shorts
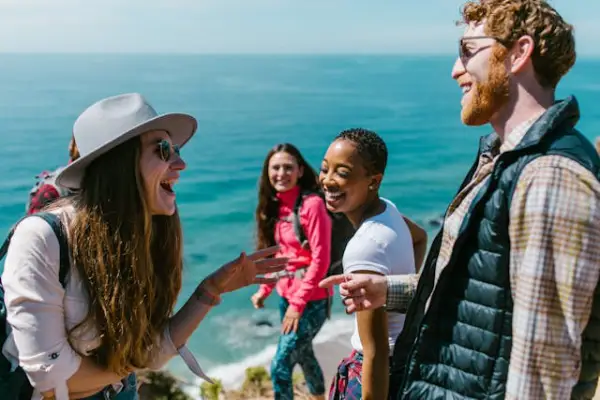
[127,392]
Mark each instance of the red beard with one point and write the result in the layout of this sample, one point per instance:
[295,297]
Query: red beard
[486,98]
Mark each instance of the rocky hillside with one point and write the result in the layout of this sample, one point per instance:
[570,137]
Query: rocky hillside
[257,386]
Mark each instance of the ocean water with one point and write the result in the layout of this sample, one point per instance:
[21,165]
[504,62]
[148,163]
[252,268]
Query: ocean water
[245,105]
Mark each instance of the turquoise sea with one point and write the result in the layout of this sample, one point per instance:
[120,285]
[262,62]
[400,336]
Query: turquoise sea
[246,104]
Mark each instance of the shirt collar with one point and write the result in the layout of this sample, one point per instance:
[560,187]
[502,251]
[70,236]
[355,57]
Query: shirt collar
[514,137]
[289,198]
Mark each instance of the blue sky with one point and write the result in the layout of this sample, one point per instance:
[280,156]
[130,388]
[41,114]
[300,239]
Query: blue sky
[251,26]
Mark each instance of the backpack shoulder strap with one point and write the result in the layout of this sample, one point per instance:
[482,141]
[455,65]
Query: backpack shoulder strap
[54,221]
[57,226]
[298,230]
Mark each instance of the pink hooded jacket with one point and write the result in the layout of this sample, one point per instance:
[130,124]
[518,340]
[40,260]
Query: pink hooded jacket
[317,227]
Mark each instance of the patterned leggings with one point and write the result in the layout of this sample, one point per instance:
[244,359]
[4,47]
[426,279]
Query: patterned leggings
[296,348]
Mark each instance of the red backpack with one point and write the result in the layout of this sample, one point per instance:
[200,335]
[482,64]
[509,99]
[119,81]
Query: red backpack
[45,191]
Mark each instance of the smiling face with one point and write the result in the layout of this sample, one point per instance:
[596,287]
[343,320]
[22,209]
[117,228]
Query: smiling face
[160,166]
[345,181]
[284,171]
[481,74]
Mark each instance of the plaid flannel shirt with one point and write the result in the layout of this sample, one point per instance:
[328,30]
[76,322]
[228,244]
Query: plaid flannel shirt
[554,231]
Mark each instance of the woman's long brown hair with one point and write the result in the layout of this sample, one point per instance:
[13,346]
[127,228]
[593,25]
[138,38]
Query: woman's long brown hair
[268,207]
[130,261]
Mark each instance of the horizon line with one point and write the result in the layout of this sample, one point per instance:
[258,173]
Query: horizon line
[226,53]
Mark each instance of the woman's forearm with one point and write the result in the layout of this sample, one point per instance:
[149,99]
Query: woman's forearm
[419,249]
[238,273]
[372,330]
[419,239]
[187,319]
[90,378]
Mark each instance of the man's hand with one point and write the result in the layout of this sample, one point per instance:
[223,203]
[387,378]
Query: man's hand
[359,291]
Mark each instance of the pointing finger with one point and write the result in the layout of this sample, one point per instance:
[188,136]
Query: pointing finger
[353,285]
[332,281]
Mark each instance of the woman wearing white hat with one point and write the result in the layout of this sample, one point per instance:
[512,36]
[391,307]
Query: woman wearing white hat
[84,333]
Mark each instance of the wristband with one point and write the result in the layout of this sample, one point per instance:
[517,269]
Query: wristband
[206,297]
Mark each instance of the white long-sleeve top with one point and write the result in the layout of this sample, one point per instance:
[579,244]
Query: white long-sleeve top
[40,312]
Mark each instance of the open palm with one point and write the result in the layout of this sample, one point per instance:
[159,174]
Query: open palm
[247,270]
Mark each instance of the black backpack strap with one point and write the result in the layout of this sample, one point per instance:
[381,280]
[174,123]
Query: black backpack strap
[57,226]
[298,230]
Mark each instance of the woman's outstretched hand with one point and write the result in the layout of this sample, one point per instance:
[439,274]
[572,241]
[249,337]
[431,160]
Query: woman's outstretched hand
[245,270]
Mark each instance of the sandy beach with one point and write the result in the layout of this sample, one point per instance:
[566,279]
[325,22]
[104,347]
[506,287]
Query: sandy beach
[330,354]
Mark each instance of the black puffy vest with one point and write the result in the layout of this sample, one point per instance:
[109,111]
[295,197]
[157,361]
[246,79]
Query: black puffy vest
[460,347]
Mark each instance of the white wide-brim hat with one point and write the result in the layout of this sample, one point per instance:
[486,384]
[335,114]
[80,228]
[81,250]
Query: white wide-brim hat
[114,120]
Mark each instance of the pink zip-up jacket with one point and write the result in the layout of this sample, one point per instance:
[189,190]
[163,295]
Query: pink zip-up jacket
[317,227]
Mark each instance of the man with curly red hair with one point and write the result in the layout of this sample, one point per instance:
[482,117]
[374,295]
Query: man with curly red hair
[507,304]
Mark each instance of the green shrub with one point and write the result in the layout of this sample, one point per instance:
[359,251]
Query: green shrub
[298,378]
[211,391]
[161,385]
[256,378]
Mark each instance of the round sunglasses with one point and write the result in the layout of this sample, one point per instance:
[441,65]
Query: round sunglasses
[465,53]
[166,150]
